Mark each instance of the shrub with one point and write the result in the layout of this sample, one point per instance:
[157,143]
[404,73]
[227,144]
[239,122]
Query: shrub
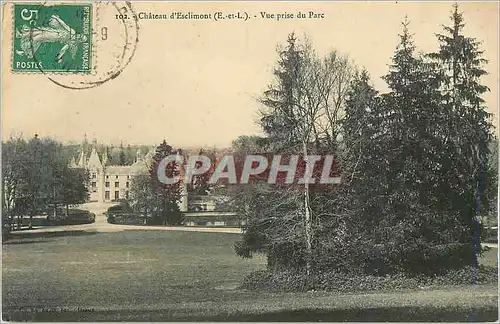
[111,219]
[122,207]
[5,233]
[74,217]
[341,282]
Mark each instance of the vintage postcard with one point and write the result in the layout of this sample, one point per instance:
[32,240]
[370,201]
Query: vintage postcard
[249,161]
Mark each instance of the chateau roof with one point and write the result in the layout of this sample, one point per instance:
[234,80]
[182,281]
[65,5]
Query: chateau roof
[94,161]
[81,160]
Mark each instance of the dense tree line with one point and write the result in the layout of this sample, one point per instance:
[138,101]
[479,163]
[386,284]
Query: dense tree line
[36,179]
[415,161]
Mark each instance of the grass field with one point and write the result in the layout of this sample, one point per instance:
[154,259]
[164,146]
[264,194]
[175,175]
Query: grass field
[172,275]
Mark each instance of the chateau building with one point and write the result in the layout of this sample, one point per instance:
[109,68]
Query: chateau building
[112,182]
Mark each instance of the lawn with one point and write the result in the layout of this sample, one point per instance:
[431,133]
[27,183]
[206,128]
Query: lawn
[171,275]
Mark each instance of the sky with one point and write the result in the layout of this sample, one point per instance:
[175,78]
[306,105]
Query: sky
[194,83]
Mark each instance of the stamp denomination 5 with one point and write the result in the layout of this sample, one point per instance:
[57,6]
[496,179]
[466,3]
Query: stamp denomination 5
[55,38]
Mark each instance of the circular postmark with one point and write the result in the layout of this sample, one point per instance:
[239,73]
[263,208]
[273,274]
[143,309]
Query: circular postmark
[91,55]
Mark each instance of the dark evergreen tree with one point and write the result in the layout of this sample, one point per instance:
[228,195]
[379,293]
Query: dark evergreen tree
[279,119]
[122,159]
[85,144]
[167,196]
[277,230]
[410,120]
[129,155]
[200,182]
[469,129]
[360,128]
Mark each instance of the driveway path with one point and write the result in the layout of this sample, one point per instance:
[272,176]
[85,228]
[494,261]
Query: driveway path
[101,224]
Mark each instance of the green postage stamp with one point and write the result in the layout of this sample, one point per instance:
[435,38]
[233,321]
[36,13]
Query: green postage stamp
[52,38]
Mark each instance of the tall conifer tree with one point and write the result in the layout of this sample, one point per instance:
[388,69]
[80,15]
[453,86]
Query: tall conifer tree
[461,61]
